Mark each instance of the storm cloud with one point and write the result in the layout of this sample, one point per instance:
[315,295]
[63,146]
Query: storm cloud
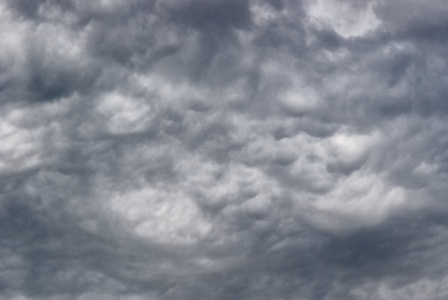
[223,149]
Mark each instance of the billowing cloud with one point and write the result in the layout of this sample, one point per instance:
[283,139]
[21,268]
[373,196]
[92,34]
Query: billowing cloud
[216,149]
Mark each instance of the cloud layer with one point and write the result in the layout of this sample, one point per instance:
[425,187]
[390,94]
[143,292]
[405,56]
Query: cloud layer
[223,149]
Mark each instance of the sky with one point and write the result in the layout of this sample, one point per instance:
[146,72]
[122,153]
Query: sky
[224,149]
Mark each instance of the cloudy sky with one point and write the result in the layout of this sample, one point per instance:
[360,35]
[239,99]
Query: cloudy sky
[224,149]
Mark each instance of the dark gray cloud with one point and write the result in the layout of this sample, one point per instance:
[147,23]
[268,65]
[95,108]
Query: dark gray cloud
[211,149]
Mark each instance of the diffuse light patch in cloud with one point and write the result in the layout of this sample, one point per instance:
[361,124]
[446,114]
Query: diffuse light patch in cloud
[301,101]
[349,19]
[124,114]
[358,201]
[161,216]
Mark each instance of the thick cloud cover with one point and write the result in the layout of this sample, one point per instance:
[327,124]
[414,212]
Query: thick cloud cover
[223,149]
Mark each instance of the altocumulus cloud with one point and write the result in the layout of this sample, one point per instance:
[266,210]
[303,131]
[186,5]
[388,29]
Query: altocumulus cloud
[223,149]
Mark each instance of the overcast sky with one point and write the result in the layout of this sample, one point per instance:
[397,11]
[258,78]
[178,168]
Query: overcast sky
[224,149]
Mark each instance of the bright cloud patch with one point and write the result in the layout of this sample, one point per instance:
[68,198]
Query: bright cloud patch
[348,18]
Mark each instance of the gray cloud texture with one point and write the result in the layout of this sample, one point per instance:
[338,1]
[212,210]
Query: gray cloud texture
[223,149]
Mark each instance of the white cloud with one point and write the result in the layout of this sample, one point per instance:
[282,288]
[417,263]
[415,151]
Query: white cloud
[348,19]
